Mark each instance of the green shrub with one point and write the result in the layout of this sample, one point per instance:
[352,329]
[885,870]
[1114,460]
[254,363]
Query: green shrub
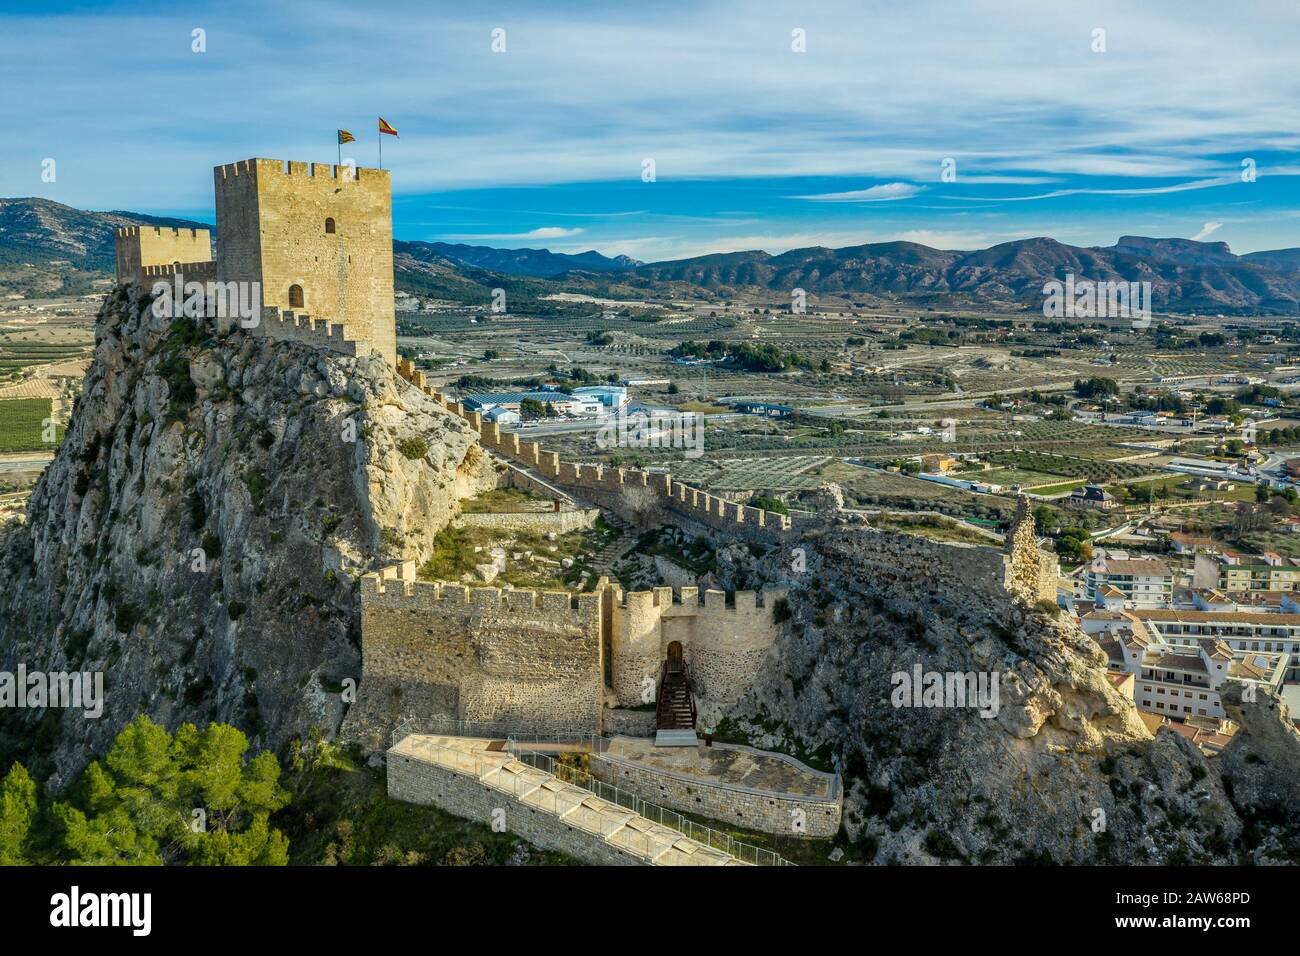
[414,448]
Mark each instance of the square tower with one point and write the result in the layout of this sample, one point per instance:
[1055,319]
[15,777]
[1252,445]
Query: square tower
[318,238]
[143,252]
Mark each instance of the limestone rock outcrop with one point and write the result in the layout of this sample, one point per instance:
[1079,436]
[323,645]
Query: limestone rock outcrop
[199,534]
[1061,770]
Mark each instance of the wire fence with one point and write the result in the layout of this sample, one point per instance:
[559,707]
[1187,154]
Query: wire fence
[574,773]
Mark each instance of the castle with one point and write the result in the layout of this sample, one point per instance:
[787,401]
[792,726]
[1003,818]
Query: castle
[554,661]
[315,240]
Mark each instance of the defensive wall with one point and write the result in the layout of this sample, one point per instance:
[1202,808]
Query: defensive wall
[162,249]
[814,812]
[561,522]
[530,658]
[548,661]
[606,485]
[286,325]
[487,787]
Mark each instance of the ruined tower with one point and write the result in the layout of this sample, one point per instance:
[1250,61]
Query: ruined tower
[1026,569]
[319,240]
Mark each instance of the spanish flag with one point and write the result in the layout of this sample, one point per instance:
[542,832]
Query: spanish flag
[385,128]
[346,137]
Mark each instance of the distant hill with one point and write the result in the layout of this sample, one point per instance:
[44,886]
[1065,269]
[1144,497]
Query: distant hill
[47,248]
[1185,275]
[1280,260]
[519,262]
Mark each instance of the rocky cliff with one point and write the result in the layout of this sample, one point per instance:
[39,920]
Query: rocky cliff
[198,536]
[1063,771]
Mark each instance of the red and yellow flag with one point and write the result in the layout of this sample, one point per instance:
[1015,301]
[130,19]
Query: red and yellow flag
[385,128]
[346,137]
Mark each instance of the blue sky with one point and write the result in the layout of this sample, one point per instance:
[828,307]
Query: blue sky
[755,145]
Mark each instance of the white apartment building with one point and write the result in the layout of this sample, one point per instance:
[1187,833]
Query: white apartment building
[1180,680]
[1144,582]
[1268,632]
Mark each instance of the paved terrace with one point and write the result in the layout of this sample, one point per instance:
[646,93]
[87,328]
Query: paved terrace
[486,760]
[729,765]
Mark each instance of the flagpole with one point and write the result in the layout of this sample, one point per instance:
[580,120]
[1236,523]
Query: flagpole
[381,149]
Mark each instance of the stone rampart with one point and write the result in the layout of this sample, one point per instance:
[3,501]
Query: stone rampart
[787,814]
[530,658]
[607,485]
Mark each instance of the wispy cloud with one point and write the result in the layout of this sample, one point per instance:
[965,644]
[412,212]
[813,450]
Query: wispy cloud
[885,192]
[544,233]
[1207,230]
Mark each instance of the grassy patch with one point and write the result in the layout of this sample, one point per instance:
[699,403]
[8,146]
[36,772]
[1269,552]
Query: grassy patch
[340,815]
[22,423]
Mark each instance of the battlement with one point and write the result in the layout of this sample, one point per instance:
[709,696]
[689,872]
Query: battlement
[689,502]
[398,587]
[178,232]
[693,602]
[330,173]
[299,327]
[145,254]
[190,271]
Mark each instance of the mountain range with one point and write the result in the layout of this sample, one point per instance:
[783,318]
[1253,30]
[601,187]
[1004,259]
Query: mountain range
[41,240]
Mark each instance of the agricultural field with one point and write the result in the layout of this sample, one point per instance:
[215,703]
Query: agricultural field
[1066,466]
[16,356]
[1012,477]
[759,474]
[22,424]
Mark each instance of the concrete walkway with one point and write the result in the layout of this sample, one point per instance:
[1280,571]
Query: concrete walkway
[481,759]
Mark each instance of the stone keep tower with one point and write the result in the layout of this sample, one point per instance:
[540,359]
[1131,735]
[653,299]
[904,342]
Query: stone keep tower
[146,254]
[319,239]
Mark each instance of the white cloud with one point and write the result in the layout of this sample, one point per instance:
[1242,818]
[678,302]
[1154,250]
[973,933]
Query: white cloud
[1208,229]
[885,192]
[545,232]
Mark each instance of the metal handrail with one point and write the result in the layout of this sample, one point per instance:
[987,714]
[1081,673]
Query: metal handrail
[699,832]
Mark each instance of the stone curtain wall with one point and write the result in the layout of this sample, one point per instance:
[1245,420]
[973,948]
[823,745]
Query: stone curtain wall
[535,661]
[415,781]
[560,522]
[137,247]
[300,327]
[753,810]
[529,659]
[271,219]
[605,484]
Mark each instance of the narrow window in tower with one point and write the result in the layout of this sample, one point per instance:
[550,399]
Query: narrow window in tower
[295,297]
[329,227]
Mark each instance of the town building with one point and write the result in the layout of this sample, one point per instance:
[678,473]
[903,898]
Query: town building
[1231,571]
[1092,496]
[1182,680]
[611,396]
[1145,582]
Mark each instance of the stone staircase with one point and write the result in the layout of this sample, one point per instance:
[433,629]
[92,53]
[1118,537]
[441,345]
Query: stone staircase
[604,821]
[675,709]
[602,562]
